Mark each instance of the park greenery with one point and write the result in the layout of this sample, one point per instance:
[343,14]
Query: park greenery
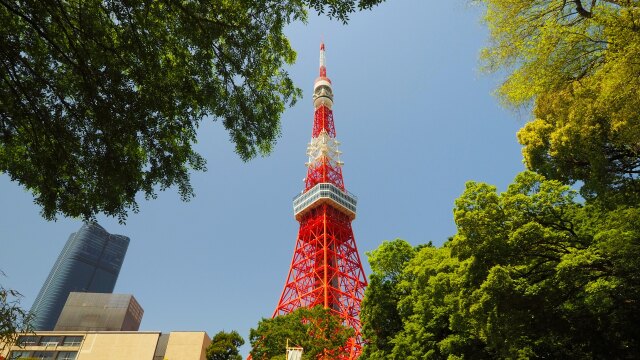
[224,346]
[532,272]
[102,99]
[317,330]
[548,268]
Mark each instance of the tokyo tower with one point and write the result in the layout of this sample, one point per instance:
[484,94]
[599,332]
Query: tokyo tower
[326,268]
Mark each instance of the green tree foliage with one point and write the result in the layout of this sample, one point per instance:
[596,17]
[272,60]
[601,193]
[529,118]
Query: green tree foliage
[379,312]
[536,271]
[576,63]
[531,273]
[101,99]
[318,331]
[14,321]
[224,346]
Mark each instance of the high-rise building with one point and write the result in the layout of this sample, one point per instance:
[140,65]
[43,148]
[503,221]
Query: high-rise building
[89,262]
[326,268]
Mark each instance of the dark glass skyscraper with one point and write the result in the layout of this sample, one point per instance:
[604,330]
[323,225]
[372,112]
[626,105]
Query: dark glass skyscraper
[89,262]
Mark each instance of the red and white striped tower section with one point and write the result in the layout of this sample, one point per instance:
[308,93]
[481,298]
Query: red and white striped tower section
[326,268]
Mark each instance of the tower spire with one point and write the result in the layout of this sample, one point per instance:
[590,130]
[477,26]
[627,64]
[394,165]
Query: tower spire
[324,157]
[323,66]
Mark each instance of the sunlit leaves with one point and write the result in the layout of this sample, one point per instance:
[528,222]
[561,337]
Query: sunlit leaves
[576,63]
[224,346]
[318,331]
[531,273]
[101,100]
[14,320]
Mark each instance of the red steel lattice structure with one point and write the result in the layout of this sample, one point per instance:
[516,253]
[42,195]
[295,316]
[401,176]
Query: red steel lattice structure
[326,268]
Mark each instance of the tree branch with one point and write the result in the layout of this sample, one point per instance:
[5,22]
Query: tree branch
[581,10]
[40,32]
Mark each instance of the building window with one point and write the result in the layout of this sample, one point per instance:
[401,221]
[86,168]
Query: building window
[67,355]
[43,355]
[27,341]
[72,341]
[19,355]
[50,340]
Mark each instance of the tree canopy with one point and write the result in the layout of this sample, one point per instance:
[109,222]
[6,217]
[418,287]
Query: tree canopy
[576,63]
[318,331]
[381,319]
[102,99]
[531,273]
[224,346]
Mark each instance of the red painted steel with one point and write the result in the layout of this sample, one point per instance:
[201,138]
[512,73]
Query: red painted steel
[326,268]
[323,120]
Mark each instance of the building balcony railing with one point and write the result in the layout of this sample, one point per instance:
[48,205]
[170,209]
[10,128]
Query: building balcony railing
[344,201]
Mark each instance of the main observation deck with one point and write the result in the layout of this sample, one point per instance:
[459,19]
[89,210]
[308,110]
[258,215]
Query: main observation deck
[324,193]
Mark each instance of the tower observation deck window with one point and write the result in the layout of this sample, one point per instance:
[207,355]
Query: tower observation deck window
[323,193]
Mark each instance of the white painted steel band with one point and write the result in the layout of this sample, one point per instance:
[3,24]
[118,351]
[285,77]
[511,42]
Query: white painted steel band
[321,82]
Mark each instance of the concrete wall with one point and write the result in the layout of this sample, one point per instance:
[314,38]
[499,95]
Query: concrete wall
[187,345]
[125,346]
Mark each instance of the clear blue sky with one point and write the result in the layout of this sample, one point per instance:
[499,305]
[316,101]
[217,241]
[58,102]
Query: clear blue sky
[416,120]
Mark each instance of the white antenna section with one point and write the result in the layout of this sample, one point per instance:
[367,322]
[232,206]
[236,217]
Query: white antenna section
[324,146]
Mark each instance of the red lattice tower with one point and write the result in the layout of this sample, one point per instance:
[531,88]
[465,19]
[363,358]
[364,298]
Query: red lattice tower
[326,268]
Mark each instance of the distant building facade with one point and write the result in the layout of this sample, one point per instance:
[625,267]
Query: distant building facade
[89,262]
[108,345]
[100,312]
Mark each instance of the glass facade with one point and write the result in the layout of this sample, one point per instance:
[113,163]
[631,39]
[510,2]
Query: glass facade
[43,355]
[50,340]
[72,341]
[27,341]
[20,355]
[89,262]
[45,340]
[66,355]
